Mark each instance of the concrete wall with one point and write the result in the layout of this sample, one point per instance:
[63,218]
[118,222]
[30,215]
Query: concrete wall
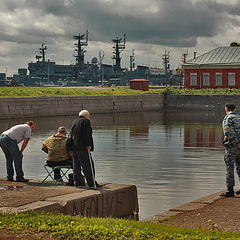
[61,106]
[70,105]
[200,102]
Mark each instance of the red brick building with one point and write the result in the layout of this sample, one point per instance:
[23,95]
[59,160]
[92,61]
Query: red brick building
[219,68]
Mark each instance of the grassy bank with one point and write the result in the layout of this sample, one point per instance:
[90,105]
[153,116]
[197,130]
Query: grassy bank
[67,227]
[48,91]
[207,91]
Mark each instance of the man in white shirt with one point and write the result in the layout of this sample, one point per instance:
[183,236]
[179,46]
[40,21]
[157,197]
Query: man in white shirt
[9,141]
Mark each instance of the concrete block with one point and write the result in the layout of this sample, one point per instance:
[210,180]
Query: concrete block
[7,210]
[118,201]
[208,199]
[83,203]
[38,206]
[189,207]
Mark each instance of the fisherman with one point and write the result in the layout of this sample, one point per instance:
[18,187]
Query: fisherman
[82,144]
[9,141]
[231,130]
[58,155]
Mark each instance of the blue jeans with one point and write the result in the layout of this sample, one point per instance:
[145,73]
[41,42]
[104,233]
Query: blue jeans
[13,155]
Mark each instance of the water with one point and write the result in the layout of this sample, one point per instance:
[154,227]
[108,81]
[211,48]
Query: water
[172,157]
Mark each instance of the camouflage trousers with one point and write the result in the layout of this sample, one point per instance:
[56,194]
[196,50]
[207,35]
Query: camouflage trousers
[231,158]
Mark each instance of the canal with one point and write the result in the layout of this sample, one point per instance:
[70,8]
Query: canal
[172,157]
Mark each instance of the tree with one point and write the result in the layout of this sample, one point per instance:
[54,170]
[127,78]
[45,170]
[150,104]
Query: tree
[234,44]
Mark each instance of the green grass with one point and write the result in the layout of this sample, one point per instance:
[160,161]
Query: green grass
[206,91]
[67,227]
[48,91]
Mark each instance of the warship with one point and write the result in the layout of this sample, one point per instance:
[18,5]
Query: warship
[44,72]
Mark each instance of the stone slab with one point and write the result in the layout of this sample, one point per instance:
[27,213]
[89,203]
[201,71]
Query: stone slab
[113,200]
[38,206]
[161,217]
[188,207]
[209,199]
[16,194]
[185,208]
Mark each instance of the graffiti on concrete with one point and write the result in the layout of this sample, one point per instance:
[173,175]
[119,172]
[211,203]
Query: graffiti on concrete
[108,204]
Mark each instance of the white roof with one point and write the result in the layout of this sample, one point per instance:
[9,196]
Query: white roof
[220,55]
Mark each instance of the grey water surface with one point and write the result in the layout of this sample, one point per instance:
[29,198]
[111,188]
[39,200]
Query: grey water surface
[172,157]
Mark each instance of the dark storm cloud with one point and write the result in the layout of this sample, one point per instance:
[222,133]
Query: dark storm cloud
[176,23]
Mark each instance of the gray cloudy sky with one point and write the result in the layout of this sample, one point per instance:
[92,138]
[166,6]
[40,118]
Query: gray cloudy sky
[151,26]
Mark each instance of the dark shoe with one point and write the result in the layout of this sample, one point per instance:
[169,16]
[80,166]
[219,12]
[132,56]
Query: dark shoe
[238,192]
[59,180]
[79,185]
[70,180]
[69,184]
[22,180]
[10,179]
[98,185]
[227,194]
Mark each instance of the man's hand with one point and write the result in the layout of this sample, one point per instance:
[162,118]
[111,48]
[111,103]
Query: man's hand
[24,144]
[88,148]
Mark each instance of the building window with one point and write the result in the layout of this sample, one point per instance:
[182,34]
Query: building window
[206,81]
[193,79]
[218,79]
[231,79]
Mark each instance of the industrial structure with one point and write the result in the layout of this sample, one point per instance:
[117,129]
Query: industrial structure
[218,68]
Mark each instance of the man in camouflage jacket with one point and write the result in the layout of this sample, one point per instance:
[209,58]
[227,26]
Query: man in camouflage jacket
[58,155]
[231,130]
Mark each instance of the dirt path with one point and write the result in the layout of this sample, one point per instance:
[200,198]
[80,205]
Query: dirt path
[223,215]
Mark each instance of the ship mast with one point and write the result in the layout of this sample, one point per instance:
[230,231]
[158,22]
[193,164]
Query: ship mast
[82,42]
[166,59]
[119,46]
[132,61]
[42,52]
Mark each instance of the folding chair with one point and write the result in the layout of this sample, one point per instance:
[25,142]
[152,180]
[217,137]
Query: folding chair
[50,171]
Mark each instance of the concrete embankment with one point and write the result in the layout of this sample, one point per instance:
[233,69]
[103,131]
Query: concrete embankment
[22,107]
[61,106]
[113,200]
[211,212]
[199,102]
[187,207]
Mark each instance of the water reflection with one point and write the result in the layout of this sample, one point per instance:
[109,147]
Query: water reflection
[172,157]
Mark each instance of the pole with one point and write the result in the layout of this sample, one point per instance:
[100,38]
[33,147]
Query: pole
[48,71]
[102,74]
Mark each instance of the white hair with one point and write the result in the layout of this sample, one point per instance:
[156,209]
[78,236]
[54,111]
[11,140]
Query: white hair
[84,113]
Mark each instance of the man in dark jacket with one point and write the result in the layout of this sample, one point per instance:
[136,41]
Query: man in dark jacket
[82,144]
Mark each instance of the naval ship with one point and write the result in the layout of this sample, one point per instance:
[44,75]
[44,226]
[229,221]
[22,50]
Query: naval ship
[45,72]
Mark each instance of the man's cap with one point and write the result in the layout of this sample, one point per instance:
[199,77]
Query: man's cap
[62,129]
[230,105]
